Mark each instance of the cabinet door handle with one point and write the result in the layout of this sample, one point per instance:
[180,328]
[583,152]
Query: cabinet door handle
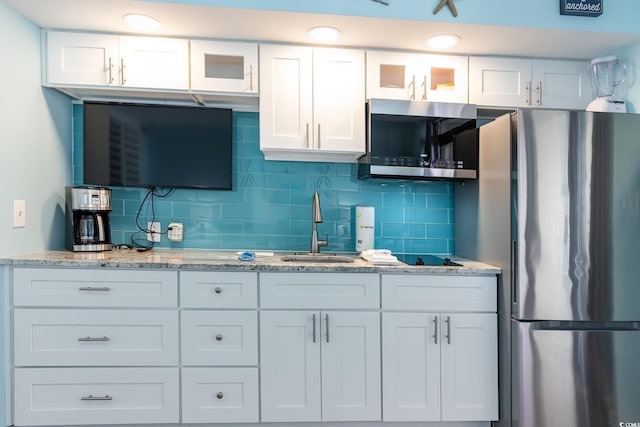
[218,290]
[313,320]
[250,78]
[528,89]
[110,71]
[124,80]
[219,337]
[327,326]
[92,397]
[319,139]
[93,339]
[539,89]
[424,86]
[448,336]
[95,288]
[435,329]
[219,395]
[413,83]
[308,142]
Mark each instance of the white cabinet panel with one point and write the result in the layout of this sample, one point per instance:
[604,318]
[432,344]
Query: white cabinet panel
[469,367]
[58,287]
[411,370]
[219,337]
[209,289]
[319,290]
[519,82]
[439,293]
[290,366]
[224,66]
[220,395]
[350,366]
[82,59]
[69,396]
[320,366]
[311,103]
[95,337]
[417,77]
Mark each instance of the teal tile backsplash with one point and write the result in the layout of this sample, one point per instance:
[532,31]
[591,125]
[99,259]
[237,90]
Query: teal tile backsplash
[270,205]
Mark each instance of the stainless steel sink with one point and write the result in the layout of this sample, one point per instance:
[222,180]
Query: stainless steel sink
[317,258]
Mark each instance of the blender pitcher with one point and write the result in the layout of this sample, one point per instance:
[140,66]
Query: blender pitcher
[607,72]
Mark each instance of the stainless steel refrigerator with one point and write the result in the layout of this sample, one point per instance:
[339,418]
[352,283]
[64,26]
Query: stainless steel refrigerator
[557,207]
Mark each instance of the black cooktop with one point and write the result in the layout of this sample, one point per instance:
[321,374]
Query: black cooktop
[427,260]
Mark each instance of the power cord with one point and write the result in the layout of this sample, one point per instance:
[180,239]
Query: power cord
[142,244]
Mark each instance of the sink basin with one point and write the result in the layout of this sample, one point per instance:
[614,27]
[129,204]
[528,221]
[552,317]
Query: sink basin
[317,258]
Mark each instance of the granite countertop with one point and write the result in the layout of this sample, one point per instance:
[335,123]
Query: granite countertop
[200,259]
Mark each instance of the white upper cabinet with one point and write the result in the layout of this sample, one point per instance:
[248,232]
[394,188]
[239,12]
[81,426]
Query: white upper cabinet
[420,77]
[77,59]
[224,66]
[311,103]
[513,82]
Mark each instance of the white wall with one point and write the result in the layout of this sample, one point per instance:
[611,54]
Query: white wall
[35,141]
[630,90]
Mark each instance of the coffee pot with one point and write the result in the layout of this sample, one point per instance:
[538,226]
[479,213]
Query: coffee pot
[88,228]
[607,73]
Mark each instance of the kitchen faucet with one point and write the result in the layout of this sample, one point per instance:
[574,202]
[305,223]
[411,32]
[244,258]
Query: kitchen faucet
[316,219]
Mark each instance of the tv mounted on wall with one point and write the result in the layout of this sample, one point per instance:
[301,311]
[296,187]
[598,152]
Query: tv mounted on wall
[157,146]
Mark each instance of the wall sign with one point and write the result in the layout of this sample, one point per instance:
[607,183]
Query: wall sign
[591,8]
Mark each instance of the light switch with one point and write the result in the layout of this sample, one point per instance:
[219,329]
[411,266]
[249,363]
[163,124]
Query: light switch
[19,213]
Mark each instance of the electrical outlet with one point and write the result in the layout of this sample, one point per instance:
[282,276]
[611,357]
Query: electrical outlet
[155,231]
[19,214]
[175,232]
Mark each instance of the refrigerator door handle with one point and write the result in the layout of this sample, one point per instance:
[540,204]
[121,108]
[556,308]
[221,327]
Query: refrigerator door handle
[514,263]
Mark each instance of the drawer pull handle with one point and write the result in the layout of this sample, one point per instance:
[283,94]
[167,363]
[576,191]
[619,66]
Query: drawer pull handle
[92,397]
[92,288]
[218,290]
[314,327]
[219,395]
[219,337]
[435,330]
[94,339]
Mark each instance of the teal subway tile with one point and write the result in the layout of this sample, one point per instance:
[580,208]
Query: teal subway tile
[404,200]
[281,181]
[390,215]
[440,231]
[300,212]
[213,196]
[247,211]
[452,246]
[426,246]
[193,210]
[439,201]
[336,214]
[391,230]
[427,216]
[347,169]
[394,245]
[220,226]
[270,196]
[278,212]
[431,187]
[452,217]
[267,227]
[249,166]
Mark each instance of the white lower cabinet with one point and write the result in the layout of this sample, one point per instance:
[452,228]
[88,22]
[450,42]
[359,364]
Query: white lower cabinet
[116,346]
[72,396]
[220,395]
[440,366]
[320,366]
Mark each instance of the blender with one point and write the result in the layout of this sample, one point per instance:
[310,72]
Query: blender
[607,73]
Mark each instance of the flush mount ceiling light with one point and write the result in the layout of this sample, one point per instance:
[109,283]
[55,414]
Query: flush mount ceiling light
[443,41]
[141,22]
[324,34]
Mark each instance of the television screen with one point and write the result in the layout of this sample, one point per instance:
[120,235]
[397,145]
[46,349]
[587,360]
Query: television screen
[136,145]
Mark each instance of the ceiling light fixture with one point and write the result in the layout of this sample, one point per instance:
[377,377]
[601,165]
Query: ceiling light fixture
[324,34]
[141,22]
[443,41]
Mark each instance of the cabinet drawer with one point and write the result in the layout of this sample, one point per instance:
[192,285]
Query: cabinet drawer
[94,287]
[95,337]
[67,396]
[319,290]
[439,293]
[219,338]
[221,395]
[200,289]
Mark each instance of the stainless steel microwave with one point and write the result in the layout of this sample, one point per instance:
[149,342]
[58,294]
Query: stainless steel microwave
[419,140]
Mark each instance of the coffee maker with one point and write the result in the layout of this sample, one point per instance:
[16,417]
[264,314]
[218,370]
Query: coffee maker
[87,217]
[607,73]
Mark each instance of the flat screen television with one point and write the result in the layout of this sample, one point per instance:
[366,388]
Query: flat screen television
[165,146]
